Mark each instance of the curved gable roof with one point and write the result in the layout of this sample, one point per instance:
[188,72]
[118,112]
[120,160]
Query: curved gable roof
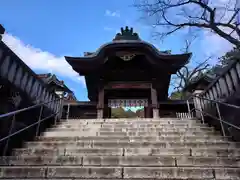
[129,41]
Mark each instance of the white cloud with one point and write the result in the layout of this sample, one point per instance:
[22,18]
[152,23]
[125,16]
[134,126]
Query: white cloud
[37,59]
[108,28]
[112,13]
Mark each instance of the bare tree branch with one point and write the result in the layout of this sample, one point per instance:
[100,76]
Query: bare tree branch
[176,15]
[185,75]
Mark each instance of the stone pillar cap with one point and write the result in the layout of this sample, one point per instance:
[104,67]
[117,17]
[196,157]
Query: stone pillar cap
[2,29]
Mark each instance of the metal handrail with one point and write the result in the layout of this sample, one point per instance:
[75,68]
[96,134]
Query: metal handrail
[41,105]
[216,101]
[23,129]
[219,118]
[27,108]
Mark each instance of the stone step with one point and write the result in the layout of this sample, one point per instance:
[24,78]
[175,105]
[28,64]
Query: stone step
[134,144]
[203,129]
[117,134]
[143,120]
[141,139]
[135,123]
[202,152]
[166,128]
[163,144]
[119,172]
[105,179]
[51,151]
[129,120]
[133,138]
[150,161]
[161,133]
[99,179]
[73,141]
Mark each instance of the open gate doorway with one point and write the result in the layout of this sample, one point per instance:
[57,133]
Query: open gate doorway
[127,108]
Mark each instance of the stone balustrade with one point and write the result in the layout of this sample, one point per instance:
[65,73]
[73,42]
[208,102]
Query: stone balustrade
[225,88]
[16,72]
[222,87]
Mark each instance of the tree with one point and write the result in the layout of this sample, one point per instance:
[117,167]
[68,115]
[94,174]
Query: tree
[140,113]
[229,57]
[176,95]
[185,75]
[121,113]
[176,15]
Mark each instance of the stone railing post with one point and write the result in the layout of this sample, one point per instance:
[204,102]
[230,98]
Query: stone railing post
[2,31]
[197,103]
[154,102]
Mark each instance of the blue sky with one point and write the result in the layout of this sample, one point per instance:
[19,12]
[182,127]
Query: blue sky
[42,32]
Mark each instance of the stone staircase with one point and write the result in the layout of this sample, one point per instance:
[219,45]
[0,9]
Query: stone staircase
[126,149]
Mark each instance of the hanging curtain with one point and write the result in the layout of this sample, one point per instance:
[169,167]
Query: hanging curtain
[127,102]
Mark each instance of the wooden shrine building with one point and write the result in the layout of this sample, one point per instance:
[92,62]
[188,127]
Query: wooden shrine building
[128,72]
[54,84]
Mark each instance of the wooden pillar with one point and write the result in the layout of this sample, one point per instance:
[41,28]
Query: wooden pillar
[100,105]
[154,103]
[109,112]
[147,112]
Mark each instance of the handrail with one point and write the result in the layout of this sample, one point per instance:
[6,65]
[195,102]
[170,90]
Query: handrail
[216,101]
[230,124]
[27,108]
[38,122]
[219,118]
[23,129]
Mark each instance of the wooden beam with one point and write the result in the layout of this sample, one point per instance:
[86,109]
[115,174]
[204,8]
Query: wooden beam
[128,85]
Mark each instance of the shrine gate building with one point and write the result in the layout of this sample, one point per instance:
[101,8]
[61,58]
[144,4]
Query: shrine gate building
[128,72]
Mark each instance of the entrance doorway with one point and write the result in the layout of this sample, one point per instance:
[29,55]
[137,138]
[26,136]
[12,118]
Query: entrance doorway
[127,108]
[135,98]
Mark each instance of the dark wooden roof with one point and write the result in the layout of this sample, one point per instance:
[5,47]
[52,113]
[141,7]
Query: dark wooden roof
[70,97]
[51,78]
[88,64]
[94,65]
[126,41]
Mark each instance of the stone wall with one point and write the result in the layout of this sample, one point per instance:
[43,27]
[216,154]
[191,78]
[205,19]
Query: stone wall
[80,111]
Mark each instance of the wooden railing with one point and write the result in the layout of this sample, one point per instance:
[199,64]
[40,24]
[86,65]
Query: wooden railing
[16,72]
